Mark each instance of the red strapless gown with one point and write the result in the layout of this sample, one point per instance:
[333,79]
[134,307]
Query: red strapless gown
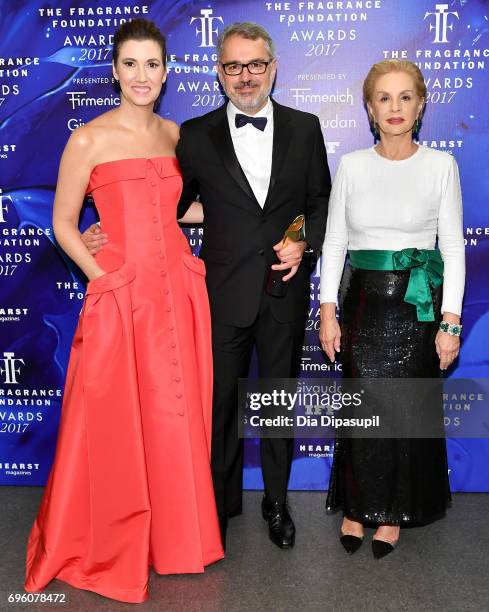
[131,484]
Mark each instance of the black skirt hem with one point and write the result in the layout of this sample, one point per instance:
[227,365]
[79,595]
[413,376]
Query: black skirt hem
[390,519]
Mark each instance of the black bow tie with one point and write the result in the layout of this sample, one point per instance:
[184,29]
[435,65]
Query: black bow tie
[258,122]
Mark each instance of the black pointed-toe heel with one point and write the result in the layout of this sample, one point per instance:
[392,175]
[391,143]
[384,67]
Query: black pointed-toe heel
[381,548]
[351,543]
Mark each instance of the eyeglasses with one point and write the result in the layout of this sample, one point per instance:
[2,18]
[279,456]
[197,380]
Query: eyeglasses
[255,67]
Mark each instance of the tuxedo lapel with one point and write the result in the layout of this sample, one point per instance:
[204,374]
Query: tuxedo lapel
[282,133]
[221,138]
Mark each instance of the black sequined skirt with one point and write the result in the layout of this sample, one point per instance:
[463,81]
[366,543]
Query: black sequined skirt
[394,481]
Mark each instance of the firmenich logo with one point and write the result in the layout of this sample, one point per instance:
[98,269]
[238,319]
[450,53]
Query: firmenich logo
[77,99]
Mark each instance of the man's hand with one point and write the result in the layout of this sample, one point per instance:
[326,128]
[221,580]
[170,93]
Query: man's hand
[290,255]
[94,239]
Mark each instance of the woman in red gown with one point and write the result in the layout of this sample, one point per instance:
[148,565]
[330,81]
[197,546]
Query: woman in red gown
[131,484]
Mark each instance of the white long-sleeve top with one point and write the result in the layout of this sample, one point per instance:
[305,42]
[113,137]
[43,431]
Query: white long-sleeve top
[377,203]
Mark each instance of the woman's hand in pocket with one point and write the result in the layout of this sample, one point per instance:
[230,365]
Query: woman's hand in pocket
[96,274]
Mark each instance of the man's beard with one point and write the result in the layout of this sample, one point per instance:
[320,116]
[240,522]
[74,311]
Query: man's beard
[249,104]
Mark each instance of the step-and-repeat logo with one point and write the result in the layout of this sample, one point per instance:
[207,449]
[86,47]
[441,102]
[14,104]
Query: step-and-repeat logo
[443,21]
[3,206]
[5,149]
[197,62]
[452,64]
[15,241]
[80,98]
[208,33]
[22,406]
[18,468]
[10,368]
[12,314]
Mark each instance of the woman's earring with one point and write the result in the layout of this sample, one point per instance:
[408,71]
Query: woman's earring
[375,129]
[416,126]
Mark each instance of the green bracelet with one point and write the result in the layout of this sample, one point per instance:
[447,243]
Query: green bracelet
[451,328]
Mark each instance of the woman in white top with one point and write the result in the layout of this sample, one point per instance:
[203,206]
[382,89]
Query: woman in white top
[400,302]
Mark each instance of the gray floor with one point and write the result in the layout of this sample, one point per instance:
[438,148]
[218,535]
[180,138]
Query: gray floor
[442,567]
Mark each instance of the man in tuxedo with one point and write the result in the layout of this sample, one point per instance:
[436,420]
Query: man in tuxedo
[255,165]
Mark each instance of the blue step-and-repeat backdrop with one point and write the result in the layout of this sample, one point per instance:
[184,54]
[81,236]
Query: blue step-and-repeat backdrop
[55,75]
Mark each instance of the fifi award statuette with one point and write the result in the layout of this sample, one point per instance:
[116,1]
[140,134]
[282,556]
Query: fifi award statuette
[276,286]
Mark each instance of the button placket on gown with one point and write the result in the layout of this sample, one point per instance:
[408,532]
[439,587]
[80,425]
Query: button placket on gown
[167,295]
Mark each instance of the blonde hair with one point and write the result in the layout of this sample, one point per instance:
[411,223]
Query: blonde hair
[393,65]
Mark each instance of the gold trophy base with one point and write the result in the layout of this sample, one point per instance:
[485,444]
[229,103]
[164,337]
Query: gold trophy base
[276,286]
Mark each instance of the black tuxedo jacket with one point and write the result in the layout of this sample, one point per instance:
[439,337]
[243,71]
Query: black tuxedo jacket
[238,233]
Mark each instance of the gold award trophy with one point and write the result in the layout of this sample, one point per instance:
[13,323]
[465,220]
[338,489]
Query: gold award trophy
[276,286]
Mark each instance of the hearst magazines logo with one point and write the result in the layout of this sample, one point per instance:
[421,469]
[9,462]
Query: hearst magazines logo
[18,468]
[9,370]
[441,23]
[12,314]
[207,31]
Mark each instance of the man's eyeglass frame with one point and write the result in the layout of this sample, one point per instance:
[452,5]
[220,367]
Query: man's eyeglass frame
[243,66]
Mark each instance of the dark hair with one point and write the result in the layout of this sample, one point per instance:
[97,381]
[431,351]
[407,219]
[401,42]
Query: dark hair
[138,29]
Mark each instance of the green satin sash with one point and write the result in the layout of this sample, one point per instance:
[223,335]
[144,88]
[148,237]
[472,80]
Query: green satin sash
[426,267]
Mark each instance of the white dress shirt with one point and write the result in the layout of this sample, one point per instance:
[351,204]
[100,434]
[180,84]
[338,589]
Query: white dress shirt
[377,203]
[254,149]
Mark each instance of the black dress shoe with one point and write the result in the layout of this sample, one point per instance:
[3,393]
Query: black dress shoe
[351,543]
[223,526]
[381,548]
[281,528]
